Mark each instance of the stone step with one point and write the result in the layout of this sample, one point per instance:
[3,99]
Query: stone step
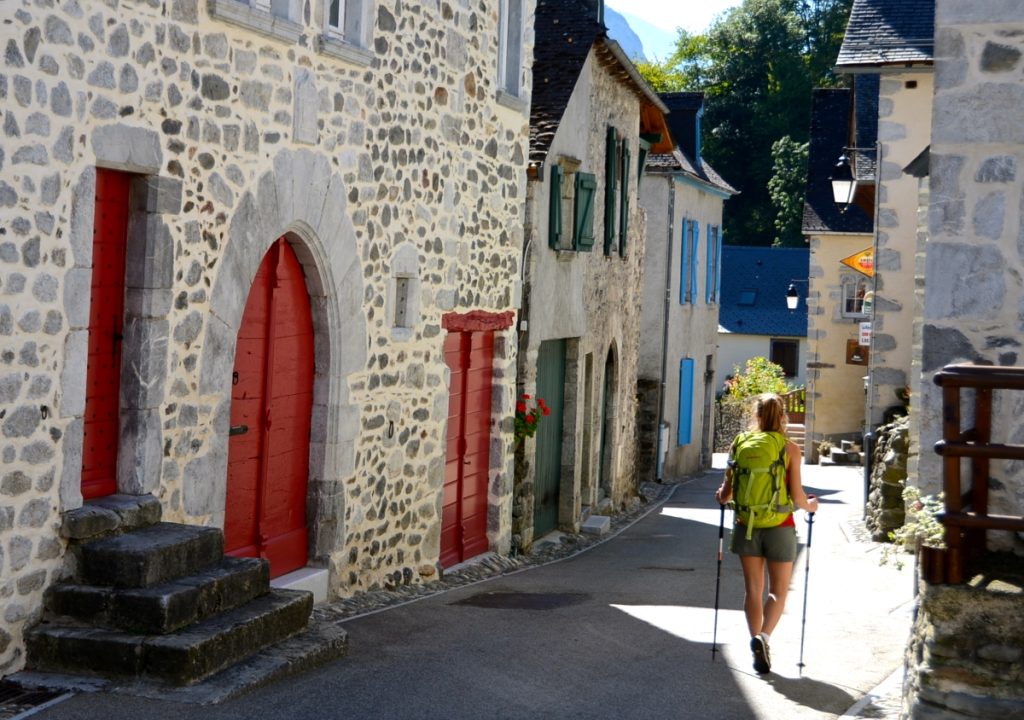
[151,555]
[167,607]
[181,658]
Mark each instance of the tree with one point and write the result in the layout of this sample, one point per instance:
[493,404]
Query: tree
[757,65]
[786,189]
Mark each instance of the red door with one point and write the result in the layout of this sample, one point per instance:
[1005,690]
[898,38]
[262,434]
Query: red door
[464,521]
[271,403]
[106,323]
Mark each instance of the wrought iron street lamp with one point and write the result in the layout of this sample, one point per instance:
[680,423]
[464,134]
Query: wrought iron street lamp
[844,185]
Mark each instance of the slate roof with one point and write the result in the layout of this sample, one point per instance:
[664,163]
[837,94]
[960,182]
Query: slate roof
[679,162]
[888,32]
[564,33]
[830,132]
[683,108]
[865,108]
[766,272]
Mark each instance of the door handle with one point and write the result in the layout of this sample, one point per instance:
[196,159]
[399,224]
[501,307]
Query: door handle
[238,430]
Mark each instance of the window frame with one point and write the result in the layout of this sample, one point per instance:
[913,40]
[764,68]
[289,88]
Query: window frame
[352,43]
[848,289]
[794,346]
[510,47]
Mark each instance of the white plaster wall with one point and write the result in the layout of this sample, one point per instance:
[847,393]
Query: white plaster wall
[693,329]
[735,349]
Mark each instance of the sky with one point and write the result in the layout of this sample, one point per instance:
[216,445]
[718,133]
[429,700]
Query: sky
[655,21]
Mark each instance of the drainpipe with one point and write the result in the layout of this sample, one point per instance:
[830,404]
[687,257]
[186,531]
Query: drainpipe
[659,465]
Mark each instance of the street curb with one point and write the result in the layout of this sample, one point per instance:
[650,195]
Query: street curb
[890,688]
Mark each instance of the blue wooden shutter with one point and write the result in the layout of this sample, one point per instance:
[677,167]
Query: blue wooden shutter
[684,263]
[694,257]
[624,218]
[718,269]
[709,271]
[583,212]
[555,209]
[684,423]
[610,175]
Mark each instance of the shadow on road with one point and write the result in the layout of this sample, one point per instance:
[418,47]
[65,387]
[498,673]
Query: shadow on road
[812,694]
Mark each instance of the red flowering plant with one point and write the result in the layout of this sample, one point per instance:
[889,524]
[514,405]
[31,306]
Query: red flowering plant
[528,417]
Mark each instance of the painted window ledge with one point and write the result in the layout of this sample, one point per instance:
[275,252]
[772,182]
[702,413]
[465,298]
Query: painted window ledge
[338,48]
[512,101]
[260,21]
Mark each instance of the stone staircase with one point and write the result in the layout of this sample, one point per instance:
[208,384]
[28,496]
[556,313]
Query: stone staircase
[161,602]
[797,433]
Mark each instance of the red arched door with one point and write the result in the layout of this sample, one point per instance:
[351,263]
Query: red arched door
[271,403]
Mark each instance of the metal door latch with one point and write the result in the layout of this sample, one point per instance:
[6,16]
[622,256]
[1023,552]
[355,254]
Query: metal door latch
[238,430]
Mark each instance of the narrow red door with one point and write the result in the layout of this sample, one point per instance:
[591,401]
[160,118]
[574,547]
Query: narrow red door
[469,356]
[106,323]
[271,404]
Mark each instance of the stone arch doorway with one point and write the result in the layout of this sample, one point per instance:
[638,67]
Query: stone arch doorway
[609,421]
[312,217]
[271,405]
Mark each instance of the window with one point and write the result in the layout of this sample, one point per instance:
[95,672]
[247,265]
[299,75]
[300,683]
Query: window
[571,207]
[510,47]
[345,20]
[690,242]
[278,19]
[786,354]
[854,289]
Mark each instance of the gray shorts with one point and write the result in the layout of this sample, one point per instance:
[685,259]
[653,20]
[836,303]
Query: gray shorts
[777,544]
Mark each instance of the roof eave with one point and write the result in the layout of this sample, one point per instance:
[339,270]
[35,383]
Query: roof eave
[634,74]
[913,66]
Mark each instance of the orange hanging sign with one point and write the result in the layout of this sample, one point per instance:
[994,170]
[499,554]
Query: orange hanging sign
[864,261]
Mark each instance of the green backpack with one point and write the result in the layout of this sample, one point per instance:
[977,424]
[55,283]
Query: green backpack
[760,493]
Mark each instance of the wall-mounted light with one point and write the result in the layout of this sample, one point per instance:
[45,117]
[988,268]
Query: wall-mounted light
[844,185]
[792,294]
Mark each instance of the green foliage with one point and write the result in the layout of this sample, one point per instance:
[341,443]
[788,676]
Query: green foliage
[921,528]
[757,65]
[786,189]
[760,375]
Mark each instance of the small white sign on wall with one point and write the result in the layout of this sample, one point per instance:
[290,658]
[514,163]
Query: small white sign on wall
[865,334]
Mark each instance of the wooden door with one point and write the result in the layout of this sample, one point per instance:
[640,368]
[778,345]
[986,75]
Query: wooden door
[548,465]
[271,404]
[469,355]
[106,325]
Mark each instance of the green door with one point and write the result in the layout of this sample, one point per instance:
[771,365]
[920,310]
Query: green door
[548,465]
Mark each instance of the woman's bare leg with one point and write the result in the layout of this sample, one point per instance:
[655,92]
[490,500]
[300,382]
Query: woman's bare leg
[753,582]
[779,575]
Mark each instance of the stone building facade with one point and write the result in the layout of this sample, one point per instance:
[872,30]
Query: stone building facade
[579,344]
[385,152]
[964,655]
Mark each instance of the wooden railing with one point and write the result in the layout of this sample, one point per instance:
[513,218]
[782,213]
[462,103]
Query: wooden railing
[795,403]
[966,515]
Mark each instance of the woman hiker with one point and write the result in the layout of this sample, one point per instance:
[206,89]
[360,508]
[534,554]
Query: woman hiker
[764,534]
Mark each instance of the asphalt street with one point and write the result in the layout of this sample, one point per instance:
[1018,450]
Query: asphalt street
[622,630]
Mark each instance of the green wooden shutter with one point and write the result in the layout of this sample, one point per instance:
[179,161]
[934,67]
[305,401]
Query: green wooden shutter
[624,217]
[555,209]
[610,183]
[583,212]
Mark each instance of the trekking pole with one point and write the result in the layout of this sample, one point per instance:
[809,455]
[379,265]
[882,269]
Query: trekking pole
[718,581]
[807,571]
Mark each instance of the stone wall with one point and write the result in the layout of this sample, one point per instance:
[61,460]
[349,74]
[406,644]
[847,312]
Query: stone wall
[966,653]
[731,418]
[886,509]
[391,160]
[592,301]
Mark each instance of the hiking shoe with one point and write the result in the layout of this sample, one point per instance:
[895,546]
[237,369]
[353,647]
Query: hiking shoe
[762,658]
